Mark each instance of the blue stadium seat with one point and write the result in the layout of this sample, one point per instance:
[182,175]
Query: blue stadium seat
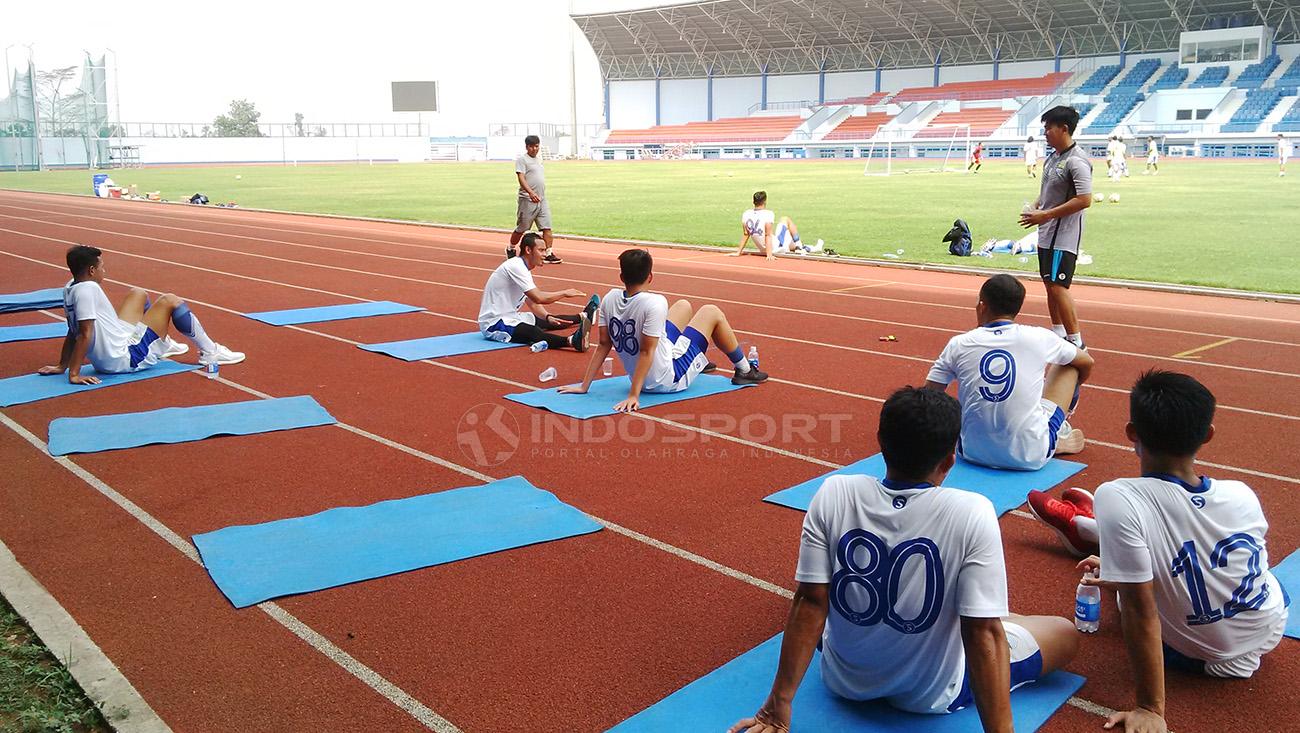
[1255,74]
[1099,79]
[1117,108]
[1213,76]
[1136,76]
[1173,78]
[1290,121]
[1259,103]
[1291,77]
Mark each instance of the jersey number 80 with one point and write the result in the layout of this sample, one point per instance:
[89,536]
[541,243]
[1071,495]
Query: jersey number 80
[877,581]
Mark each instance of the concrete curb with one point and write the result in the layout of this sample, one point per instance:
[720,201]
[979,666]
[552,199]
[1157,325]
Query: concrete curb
[117,699]
[844,260]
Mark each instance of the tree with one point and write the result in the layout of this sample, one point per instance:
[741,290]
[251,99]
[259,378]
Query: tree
[297,125]
[241,121]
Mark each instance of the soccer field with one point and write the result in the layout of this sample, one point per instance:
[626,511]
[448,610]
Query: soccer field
[1224,224]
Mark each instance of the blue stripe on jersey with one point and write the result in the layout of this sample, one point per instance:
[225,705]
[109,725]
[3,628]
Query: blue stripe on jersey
[1201,488]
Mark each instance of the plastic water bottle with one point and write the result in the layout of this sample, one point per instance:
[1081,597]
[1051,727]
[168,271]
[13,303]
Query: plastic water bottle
[539,347]
[753,357]
[211,369]
[1026,208]
[1087,607]
[608,367]
[547,375]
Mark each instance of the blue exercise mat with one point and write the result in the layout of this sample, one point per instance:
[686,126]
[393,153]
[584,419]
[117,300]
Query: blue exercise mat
[1006,489]
[1288,574]
[33,387]
[736,689]
[605,393]
[332,313]
[34,332]
[33,301]
[254,563]
[183,424]
[436,347]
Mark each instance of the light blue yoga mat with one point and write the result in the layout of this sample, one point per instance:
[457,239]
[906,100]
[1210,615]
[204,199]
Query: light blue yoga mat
[33,332]
[35,300]
[332,313]
[605,393]
[436,347]
[33,387]
[1006,489]
[254,563]
[735,690]
[1288,574]
[183,424]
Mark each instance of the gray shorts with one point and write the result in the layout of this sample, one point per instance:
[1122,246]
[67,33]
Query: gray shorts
[530,213]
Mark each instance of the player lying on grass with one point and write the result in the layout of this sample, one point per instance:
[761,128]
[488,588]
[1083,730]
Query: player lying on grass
[771,236]
[662,348]
[126,339]
[510,287]
[1186,552]
[904,584]
[1015,382]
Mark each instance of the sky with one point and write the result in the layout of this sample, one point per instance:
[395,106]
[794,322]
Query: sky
[495,60]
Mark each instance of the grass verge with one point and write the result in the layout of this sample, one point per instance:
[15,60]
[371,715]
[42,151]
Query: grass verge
[37,693]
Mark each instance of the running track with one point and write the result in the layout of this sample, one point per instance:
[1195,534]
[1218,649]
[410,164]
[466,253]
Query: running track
[575,635]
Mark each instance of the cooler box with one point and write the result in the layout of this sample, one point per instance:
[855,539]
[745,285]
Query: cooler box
[97,184]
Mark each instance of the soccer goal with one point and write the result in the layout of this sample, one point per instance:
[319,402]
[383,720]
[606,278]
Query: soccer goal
[933,149]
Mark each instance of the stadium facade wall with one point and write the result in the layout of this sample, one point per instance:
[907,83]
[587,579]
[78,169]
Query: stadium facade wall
[632,104]
[792,88]
[683,100]
[733,96]
[844,84]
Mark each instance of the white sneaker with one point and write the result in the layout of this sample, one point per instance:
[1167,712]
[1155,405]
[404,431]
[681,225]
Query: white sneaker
[817,247]
[1070,443]
[221,355]
[174,348]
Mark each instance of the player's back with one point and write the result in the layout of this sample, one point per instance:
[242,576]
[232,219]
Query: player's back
[1206,555]
[904,563]
[756,221]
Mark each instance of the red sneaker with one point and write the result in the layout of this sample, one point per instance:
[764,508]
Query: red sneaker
[1060,516]
[1082,500]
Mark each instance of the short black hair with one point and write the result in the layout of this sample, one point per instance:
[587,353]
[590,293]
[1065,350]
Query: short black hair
[1062,115]
[81,258]
[532,140]
[1171,412]
[760,198]
[919,428]
[529,241]
[634,267]
[1003,294]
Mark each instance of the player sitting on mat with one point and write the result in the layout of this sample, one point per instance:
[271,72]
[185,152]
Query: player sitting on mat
[1012,415]
[770,235]
[511,286]
[662,348]
[903,583]
[126,339]
[1186,552]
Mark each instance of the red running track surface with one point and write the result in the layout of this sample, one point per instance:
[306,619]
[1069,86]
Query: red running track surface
[572,635]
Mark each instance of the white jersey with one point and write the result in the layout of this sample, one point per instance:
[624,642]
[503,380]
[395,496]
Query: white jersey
[112,337]
[1031,152]
[756,222]
[903,564]
[1000,369]
[1203,547]
[503,296]
[1153,152]
[1283,149]
[628,318]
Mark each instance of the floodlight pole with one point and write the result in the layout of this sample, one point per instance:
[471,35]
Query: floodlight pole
[573,83]
[9,81]
[117,97]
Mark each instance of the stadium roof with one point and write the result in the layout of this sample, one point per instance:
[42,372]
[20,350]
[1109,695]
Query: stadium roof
[742,37]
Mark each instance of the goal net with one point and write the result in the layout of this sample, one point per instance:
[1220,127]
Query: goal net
[933,149]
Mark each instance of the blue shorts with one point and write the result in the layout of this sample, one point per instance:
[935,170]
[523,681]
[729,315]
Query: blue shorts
[502,327]
[688,347]
[1026,665]
[139,350]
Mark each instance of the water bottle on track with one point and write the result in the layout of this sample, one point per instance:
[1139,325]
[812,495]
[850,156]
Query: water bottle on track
[1087,607]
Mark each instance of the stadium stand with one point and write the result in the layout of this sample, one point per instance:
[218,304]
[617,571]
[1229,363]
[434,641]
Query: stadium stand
[1259,103]
[1099,79]
[1118,105]
[731,129]
[861,127]
[873,99]
[1213,76]
[969,91]
[1256,74]
[1173,78]
[1137,76]
[1290,121]
[982,121]
[1291,77]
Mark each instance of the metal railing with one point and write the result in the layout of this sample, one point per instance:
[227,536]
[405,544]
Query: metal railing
[272,129]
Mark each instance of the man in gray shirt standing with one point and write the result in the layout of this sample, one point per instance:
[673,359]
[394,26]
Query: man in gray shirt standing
[1065,191]
[532,200]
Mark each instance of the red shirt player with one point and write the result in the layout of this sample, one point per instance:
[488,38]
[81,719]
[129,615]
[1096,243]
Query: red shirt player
[976,158]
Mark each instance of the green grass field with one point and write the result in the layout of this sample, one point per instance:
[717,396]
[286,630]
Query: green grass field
[1224,224]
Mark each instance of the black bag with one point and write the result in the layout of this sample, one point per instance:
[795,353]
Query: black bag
[959,239]
[198,198]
